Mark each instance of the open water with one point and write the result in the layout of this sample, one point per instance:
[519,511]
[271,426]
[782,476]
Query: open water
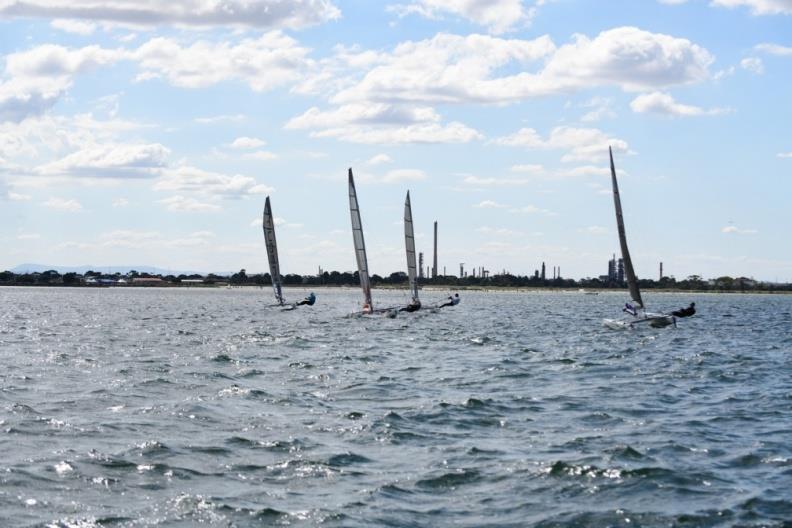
[185,407]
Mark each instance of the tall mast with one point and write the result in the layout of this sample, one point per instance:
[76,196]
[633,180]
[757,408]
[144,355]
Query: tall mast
[360,244]
[268,224]
[632,280]
[409,244]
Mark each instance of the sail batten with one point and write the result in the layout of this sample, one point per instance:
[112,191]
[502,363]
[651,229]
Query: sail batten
[629,271]
[360,243]
[268,224]
[409,243]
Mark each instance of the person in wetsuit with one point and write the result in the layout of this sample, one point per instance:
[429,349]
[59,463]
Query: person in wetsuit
[310,300]
[452,301]
[685,312]
[414,306]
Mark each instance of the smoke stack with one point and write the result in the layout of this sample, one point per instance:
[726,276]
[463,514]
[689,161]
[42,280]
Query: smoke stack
[434,264]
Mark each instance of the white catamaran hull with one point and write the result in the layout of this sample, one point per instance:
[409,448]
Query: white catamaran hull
[649,319]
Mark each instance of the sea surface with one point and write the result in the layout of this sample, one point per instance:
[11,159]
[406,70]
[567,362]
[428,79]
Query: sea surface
[208,407]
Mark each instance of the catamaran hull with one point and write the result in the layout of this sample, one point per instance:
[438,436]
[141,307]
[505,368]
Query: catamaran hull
[655,321]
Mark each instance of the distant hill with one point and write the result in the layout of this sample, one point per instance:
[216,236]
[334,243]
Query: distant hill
[33,268]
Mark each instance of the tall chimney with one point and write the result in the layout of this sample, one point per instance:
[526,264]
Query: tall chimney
[434,265]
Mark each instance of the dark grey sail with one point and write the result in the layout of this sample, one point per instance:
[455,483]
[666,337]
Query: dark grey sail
[629,272]
[360,243]
[409,244]
[268,225]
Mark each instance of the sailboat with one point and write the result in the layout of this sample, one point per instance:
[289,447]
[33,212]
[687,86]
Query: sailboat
[360,255]
[636,308]
[268,224]
[409,244]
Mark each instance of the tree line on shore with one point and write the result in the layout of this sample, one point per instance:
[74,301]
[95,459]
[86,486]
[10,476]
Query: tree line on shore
[335,278]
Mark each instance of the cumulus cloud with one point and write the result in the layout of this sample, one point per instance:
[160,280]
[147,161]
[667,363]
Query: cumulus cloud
[664,104]
[192,179]
[594,230]
[110,161]
[785,154]
[245,142]
[734,230]
[455,69]
[759,7]
[752,64]
[382,123]
[497,15]
[586,144]
[774,49]
[404,175]
[379,159]
[62,204]
[272,60]
[292,14]
[489,204]
[74,26]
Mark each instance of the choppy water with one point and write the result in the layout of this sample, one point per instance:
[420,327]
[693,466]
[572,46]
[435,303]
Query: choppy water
[184,407]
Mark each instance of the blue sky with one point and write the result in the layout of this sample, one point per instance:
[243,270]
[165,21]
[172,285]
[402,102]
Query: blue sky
[150,133]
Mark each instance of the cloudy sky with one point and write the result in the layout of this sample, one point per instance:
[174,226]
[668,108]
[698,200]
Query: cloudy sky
[150,132]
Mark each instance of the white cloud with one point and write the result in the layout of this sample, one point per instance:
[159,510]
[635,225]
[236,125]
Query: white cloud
[785,154]
[16,197]
[530,168]
[245,142]
[601,108]
[455,69]
[752,64]
[664,104]
[734,230]
[74,26]
[759,7]
[184,204]
[498,16]
[292,14]
[28,236]
[381,123]
[191,179]
[272,60]
[774,49]
[120,202]
[110,161]
[587,144]
[501,231]
[61,204]
[379,159]
[489,204]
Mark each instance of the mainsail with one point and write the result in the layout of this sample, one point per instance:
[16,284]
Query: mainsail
[272,251]
[360,244]
[409,243]
[632,280]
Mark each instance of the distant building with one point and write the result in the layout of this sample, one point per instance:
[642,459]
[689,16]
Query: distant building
[148,281]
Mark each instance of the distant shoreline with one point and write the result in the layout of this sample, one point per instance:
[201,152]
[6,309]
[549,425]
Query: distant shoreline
[432,287]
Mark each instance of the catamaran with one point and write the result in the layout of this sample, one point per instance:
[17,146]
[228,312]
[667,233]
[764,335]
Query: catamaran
[409,244]
[360,255]
[268,224]
[636,308]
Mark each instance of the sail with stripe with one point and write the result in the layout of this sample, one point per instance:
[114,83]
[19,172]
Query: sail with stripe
[629,271]
[360,243]
[409,243]
[268,225]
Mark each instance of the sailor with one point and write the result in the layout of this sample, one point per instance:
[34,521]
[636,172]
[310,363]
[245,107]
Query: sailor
[685,312]
[366,308]
[452,301]
[310,300]
[629,308]
[414,306]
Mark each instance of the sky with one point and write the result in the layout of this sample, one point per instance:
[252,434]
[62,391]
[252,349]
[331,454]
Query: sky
[150,133]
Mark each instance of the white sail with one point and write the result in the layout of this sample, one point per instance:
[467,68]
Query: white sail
[360,244]
[268,225]
[409,243]
[629,272]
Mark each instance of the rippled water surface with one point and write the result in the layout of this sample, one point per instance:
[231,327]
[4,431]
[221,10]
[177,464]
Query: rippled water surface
[184,407]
